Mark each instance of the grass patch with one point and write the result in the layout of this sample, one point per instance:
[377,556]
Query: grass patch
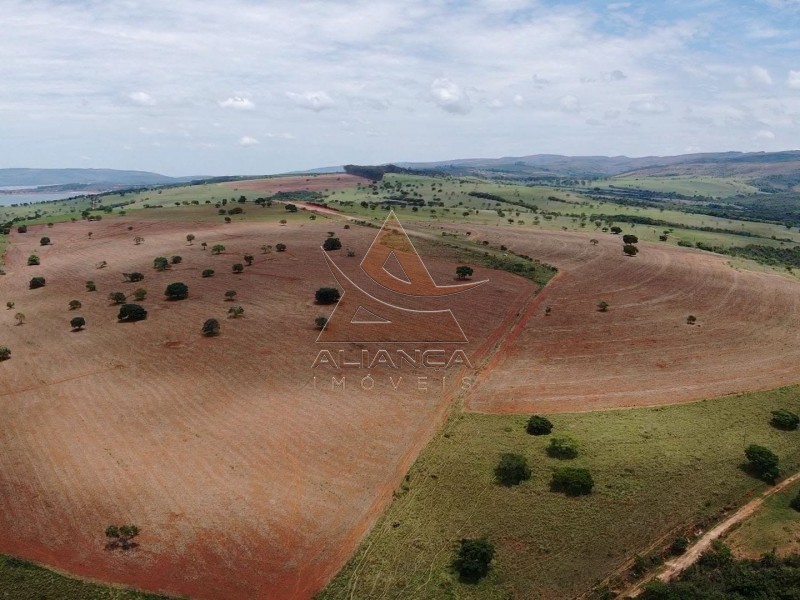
[656,471]
[23,580]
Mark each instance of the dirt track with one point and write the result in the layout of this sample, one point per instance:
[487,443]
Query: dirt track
[640,352]
[245,480]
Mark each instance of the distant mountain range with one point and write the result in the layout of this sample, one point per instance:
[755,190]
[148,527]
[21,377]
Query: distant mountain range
[96,178]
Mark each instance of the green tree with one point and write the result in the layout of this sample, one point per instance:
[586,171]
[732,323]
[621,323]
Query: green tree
[217,249]
[37,282]
[331,243]
[563,447]
[602,306]
[795,503]
[90,286]
[630,239]
[204,245]
[77,323]
[574,481]
[33,260]
[190,238]
[131,312]
[234,312]
[45,241]
[280,247]
[140,294]
[616,230]
[161,263]
[464,272]
[10,305]
[248,258]
[512,469]
[208,273]
[538,425]
[211,328]
[238,268]
[763,461]
[230,294]
[785,419]
[327,295]
[473,558]
[177,291]
[691,320]
[133,277]
[5,352]
[320,322]
[630,249]
[117,297]
[175,260]
[74,304]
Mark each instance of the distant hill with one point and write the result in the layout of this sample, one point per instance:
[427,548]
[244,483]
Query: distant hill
[83,177]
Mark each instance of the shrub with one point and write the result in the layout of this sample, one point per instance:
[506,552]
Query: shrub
[679,545]
[90,286]
[327,295]
[473,558]
[131,312]
[320,322]
[74,304]
[77,323]
[133,277]
[45,241]
[763,461]
[234,312]
[230,294]
[33,260]
[177,291]
[248,258]
[691,320]
[538,425]
[562,447]
[512,469]
[211,328]
[573,481]
[36,283]
[784,419]
[238,268]
[602,306]
[208,272]
[140,294]
[5,352]
[117,297]
[22,229]
[331,243]
[280,247]
[176,260]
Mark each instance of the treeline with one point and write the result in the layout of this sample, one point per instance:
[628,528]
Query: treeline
[768,255]
[719,575]
[376,172]
[662,223]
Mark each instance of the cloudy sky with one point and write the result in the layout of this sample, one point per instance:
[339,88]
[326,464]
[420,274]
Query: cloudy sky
[243,86]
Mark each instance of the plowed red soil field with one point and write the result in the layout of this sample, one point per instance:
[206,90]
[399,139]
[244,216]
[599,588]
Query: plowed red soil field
[640,352]
[246,480]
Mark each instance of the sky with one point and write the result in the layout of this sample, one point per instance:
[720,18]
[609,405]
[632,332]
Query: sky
[257,87]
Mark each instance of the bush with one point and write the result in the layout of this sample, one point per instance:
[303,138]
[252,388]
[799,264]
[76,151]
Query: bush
[90,286]
[512,469]
[331,243]
[140,294]
[280,247]
[320,322]
[691,320]
[679,545]
[131,312]
[230,294]
[5,352]
[573,481]
[538,425]
[234,312]
[217,249]
[22,229]
[473,558]
[211,328]
[208,272]
[177,291]
[134,277]
[763,461]
[784,419]
[77,323]
[117,297]
[36,282]
[562,447]
[45,241]
[74,304]
[327,295]
[602,306]
[33,260]
[176,260]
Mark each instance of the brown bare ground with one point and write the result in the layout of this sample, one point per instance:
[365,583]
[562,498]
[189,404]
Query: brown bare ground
[246,481]
[641,352]
[311,183]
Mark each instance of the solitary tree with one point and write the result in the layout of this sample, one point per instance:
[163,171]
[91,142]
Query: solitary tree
[117,297]
[320,322]
[248,258]
[331,243]
[190,238]
[763,461]
[238,268]
[464,272]
[74,304]
[77,323]
[161,263]
[208,272]
[36,283]
[473,558]
[785,419]
[574,481]
[234,312]
[33,260]
[211,328]
[512,469]
[5,352]
[132,312]
[327,295]
[630,249]
[121,536]
[177,291]
[217,249]
[538,425]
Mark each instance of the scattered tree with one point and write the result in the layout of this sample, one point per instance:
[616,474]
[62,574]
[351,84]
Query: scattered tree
[248,258]
[280,247]
[679,545]
[10,305]
[211,328]
[266,249]
[464,272]
[320,322]
[102,264]
[763,461]
[121,536]
[176,260]
[785,419]
[512,469]
[208,273]
[230,294]
[140,294]
[473,558]
[538,425]
[132,312]
[630,239]
[160,263]
[562,447]
[594,242]
[283,221]
[190,238]
[20,318]
[602,306]
[77,323]
[238,268]
[331,243]
[351,252]
[90,286]
[45,241]
[36,283]
[74,304]
[574,481]
[117,297]
[217,249]
[630,250]
[203,245]
[133,277]
[691,320]
[5,352]
[177,291]
[616,230]
[33,260]
[327,295]
[234,312]
[138,240]
[23,229]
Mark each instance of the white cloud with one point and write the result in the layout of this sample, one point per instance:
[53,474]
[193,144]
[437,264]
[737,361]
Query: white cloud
[450,97]
[651,106]
[793,80]
[246,140]
[315,101]
[761,75]
[142,99]
[569,104]
[764,134]
[237,103]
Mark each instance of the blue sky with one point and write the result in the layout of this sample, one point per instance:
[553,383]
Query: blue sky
[187,87]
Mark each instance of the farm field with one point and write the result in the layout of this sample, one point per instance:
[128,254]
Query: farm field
[245,480]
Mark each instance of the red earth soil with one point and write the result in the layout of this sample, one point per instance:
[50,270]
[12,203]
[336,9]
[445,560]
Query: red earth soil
[312,183]
[246,479]
[642,351]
